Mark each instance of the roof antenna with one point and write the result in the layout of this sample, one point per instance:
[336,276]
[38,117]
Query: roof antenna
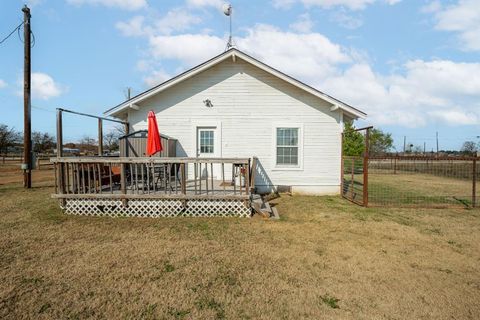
[227,10]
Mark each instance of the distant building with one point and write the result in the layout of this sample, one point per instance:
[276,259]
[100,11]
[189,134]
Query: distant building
[69,151]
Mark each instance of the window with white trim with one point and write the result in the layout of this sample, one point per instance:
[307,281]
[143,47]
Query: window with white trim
[287,146]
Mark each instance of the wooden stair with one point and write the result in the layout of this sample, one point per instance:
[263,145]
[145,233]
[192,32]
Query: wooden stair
[263,208]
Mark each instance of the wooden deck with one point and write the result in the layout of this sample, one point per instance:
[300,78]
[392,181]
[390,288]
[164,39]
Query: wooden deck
[93,182]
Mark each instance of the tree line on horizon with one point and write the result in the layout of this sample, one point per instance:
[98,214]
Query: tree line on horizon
[11,141]
[381,143]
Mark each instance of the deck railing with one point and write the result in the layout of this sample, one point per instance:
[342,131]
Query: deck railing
[152,178]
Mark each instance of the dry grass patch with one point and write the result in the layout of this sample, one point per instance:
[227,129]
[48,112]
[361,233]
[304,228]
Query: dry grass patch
[325,258]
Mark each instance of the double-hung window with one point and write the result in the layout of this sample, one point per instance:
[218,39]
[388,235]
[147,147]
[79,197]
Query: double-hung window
[287,146]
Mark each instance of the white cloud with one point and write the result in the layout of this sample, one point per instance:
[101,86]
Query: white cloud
[44,87]
[462,18]
[175,20]
[345,20]
[304,24]
[33,3]
[3,84]
[133,27]
[456,117]
[415,94]
[350,4]
[441,90]
[280,49]
[122,4]
[188,49]
[306,55]
[156,77]
[206,3]
[283,4]
[430,7]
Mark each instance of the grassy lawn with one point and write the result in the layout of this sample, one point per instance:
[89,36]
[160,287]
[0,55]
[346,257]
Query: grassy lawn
[325,258]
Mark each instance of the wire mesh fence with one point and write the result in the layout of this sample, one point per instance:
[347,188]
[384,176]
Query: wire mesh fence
[412,181]
[423,181]
[406,180]
[353,180]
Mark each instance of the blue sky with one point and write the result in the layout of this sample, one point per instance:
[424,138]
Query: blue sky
[413,66]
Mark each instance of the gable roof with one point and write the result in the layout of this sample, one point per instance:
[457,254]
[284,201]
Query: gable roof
[234,54]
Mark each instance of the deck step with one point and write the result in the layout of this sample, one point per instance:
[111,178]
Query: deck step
[275,213]
[263,208]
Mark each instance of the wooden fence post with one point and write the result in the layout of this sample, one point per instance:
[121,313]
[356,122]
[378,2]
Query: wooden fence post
[365,168]
[395,164]
[474,183]
[61,181]
[341,165]
[100,137]
[60,171]
[184,178]
[123,184]
[59,134]
[247,177]
[252,174]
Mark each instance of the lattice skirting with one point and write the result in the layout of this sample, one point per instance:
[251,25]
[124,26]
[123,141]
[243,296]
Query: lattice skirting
[158,208]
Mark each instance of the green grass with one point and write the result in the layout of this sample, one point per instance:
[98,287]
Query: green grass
[332,302]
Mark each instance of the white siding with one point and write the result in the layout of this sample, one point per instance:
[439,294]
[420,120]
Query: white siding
[247,105]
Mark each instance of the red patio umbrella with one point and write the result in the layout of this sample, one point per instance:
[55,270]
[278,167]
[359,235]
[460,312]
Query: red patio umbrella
[154,143]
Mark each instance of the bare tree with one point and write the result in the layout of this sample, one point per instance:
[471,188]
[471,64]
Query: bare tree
[110,139]
[469,147]
[88,145]
[417,149]
[42,142]
[8,138]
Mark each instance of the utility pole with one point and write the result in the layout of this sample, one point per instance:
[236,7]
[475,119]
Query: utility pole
[404,144]
[437,142]
[27,121]
[424,147]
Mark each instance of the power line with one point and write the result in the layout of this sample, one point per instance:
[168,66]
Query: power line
[17,28]
[43,109]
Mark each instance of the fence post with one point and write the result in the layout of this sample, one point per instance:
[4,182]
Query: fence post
[123,184]
[341,165]
[353,177]
[61,182]
[184,179]
[365,169]
[100,137]
[247,177]
[474,183]
[395,164]
[252,174]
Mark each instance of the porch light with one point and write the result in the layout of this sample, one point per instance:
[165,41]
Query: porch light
[208,103]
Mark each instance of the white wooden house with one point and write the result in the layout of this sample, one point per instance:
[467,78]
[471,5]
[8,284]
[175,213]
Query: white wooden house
[236,106]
